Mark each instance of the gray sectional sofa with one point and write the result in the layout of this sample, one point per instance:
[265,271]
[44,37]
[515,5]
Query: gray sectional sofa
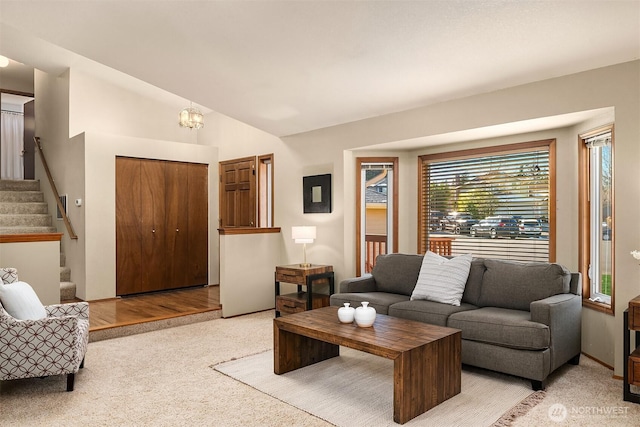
[519,319]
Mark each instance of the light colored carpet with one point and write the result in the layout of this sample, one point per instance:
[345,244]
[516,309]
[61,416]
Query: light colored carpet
[159,378]
[583,396]
[356,389]
[164,378]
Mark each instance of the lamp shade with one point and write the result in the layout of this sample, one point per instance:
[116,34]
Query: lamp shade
[303,233]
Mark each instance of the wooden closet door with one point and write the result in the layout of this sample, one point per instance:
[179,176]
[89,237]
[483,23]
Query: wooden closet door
[177,225]
[128,228]
[198,260]
[153,229]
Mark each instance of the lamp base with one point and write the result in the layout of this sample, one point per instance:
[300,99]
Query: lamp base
[305,264]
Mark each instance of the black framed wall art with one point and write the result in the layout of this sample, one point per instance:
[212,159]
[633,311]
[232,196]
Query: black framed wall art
[317,193]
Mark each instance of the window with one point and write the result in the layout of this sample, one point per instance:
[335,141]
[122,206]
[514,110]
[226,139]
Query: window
[376,210]
[495,202]
[597,218]
[245,196]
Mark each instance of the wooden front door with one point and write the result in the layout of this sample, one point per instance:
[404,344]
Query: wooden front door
[238,193]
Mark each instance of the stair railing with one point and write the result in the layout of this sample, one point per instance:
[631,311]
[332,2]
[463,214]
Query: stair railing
[65,218]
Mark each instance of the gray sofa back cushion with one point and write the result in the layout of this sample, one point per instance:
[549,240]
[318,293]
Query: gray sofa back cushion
[472,289]
[397,273]
[515,285]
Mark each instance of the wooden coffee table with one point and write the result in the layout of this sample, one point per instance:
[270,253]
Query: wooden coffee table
[426,358]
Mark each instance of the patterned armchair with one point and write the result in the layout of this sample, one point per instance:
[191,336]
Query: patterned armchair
[55,345]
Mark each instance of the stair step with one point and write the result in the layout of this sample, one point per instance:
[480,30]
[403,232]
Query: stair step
[65,274]
[23,208]
[67,291]
[25,220]
[27,230]
[21,196]
[19,185]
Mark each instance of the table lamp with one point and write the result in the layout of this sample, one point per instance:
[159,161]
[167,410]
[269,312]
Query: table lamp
[304,234]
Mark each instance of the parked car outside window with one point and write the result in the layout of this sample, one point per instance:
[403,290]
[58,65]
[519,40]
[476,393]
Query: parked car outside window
[458,222]
[435,220]
[529,227]
[496,226]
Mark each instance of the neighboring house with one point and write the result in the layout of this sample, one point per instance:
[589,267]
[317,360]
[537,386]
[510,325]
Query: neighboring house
[376,205]
[376,212]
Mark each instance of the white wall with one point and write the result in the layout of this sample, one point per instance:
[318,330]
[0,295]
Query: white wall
[100,106]
[46,256]
[247,269]
[100,200]
[83,122]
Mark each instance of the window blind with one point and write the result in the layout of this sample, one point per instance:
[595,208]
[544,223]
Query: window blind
[466,197]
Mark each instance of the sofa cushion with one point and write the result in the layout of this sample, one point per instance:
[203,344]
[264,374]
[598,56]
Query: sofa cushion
[442,279]
[501,326]
[473,286]
[425,311]
[378,300]
[515,285]
[397,273]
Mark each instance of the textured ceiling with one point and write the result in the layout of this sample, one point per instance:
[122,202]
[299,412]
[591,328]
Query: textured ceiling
[293,66]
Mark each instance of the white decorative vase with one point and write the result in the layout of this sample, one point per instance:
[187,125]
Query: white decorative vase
[345,314]
[365,315]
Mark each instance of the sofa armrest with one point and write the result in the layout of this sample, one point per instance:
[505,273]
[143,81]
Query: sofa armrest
[358,284]
[562,314]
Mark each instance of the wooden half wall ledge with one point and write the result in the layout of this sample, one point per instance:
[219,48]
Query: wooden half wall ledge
[36,237]
[248,230]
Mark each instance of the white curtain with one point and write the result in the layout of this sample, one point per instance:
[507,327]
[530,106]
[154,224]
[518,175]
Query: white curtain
[11,145]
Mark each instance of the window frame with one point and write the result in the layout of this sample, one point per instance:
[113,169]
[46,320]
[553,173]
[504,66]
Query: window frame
[584,223]
[265,191]
[423,183]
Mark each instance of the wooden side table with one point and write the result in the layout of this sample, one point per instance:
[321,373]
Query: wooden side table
[631,322]
[302,276]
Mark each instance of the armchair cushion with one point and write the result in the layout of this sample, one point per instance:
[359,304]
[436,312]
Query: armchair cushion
[21,301]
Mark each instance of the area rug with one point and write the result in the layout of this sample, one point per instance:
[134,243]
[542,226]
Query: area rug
[356,389]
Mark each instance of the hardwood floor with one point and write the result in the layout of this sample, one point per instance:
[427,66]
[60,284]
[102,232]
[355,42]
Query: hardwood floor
[111,313]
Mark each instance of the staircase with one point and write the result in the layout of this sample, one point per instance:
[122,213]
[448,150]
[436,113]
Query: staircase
[24,211]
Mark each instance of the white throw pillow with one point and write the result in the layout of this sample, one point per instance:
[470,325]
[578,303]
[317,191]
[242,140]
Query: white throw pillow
[20,301]
[442,279]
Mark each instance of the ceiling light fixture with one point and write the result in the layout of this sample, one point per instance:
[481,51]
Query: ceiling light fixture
[4,61]
[191,118]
